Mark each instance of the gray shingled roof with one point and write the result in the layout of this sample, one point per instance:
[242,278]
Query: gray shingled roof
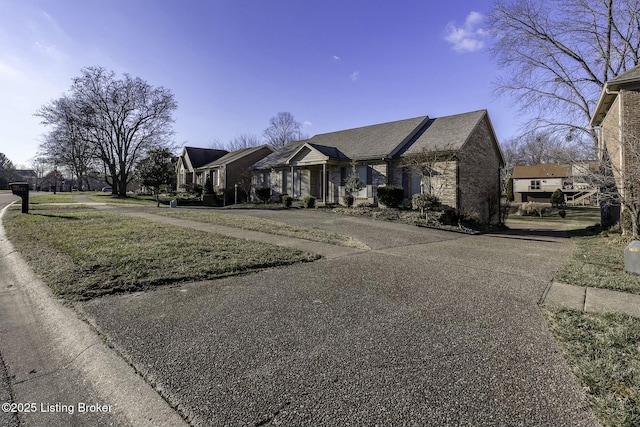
[387,139]
[629,75]
[233,156]
[279,157]
[376,141]
[201,156]
[447,133]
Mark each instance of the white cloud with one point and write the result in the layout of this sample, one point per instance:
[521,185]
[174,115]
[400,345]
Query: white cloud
[336,58]
[467,38]
[306,123]
[354,76]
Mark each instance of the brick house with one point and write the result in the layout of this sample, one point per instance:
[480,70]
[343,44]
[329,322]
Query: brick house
[466,177]
[616,120]
[231,169]
[189,163]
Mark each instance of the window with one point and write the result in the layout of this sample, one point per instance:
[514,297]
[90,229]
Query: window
[535,184]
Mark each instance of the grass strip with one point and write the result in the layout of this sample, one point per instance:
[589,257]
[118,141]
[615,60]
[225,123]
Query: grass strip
[50,198]
[263,225]
[129,200]
[598,261]
[82,255]
[603,350]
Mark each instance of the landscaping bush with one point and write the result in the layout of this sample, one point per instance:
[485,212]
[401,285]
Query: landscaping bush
[309,201]
[562,213]
[348,200]
[531,208]
[263,194]
[557,198]
[192,188]
[424,202]
[390,196]
[449,217]
[287,200]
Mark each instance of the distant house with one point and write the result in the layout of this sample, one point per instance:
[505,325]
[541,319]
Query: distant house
[617,122]
[231,169]
[189,163]
[467,177]
[538,182]
[27,175]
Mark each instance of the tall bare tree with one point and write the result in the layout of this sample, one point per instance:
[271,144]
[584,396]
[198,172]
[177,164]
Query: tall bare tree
[283,129]
[68,144]
[121,118]
[557,55]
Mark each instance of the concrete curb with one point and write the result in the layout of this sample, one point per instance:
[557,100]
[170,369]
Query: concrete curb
[593,300]
[59,365]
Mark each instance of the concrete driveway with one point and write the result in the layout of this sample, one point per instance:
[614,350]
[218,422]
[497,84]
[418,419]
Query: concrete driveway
[427,328]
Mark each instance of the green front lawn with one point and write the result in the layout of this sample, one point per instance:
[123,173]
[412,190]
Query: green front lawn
[87,254]
[598,261]
[51,198]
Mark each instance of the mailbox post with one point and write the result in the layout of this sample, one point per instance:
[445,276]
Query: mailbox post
[21,189]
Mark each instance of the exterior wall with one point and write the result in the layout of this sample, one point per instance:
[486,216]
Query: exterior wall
[479,175]
[443,183]
[610,138]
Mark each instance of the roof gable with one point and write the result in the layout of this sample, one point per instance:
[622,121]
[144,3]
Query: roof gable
[448,133]
[630,79]
[197,157]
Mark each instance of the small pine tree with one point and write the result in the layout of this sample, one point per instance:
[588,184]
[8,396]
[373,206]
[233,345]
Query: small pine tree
[557,198]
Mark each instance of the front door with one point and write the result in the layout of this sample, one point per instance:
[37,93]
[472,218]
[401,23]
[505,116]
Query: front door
[315,183]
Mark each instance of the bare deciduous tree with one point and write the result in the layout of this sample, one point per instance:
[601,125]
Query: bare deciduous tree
[557,55]
[121,118]
[67,144]
[283,129]
[242,141]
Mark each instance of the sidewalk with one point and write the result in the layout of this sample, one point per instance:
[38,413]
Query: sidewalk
[59,365]
[593,300]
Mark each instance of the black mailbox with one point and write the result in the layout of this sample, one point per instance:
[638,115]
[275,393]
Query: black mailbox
[21,189]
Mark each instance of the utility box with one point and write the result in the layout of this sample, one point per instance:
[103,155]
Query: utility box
[21,189]
[173,203]
[632,257]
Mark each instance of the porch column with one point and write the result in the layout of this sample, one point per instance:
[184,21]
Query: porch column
[324,183]
[292,182]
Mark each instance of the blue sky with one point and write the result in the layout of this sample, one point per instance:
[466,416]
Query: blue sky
[234,64]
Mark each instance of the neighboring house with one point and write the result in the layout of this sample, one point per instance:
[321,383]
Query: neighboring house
[617,122]
[233,169]
[468,180]
[190,161]
[538,182]
[27,175]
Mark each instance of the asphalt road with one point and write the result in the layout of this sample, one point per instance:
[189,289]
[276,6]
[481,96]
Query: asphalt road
[428,328]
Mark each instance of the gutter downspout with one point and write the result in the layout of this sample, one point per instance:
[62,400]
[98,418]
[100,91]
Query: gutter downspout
[224,196]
